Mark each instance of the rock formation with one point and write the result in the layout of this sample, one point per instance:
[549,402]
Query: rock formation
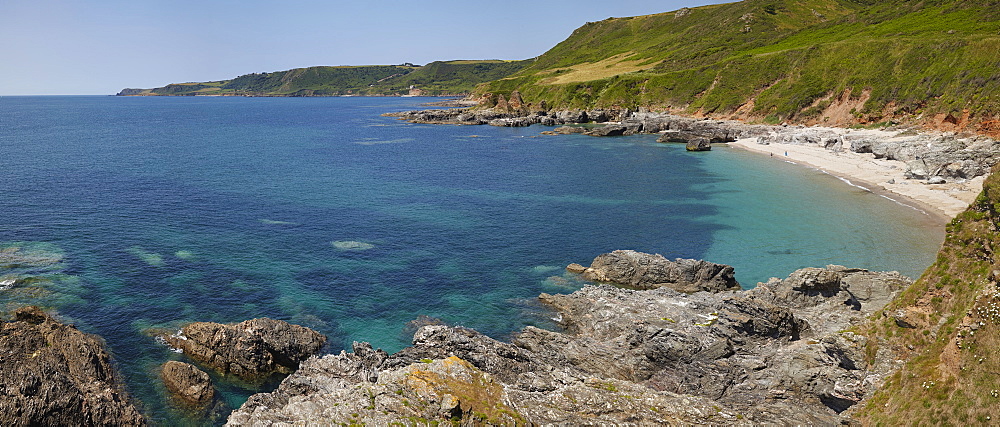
[250,350]
[776,354]
[188,384]
[53,374]
[639,270]
[698,144]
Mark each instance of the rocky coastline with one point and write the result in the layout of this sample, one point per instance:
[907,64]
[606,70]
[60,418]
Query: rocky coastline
[670,342]
[780,353]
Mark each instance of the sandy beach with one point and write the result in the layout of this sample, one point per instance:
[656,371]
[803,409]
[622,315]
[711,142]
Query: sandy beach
[885,177]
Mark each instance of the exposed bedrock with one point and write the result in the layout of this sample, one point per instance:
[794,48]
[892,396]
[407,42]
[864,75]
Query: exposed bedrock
[188,384]
[250,350]
[775,354]
[52,374]
[639,270]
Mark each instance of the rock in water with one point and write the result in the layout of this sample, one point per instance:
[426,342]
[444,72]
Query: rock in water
[699,144]
[188,383]
[53,374]
[639,270]
[250,350]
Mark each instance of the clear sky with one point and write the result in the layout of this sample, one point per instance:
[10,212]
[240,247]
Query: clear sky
[69,47]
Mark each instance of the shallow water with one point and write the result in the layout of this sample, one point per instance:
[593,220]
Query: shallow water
[320,212]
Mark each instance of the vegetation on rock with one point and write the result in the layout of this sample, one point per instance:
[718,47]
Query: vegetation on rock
[947,328]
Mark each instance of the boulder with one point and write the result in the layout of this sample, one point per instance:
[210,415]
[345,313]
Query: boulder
[53,374]
[639,270]
[608,130]
[250,350]
[188,384]
[567,130]
[699,144]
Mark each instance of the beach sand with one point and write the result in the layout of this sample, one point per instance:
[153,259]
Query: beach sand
[881,176]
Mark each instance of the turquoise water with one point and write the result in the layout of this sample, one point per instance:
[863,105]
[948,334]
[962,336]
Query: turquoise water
[321,212]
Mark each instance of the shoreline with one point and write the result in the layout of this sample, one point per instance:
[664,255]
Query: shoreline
[886,178]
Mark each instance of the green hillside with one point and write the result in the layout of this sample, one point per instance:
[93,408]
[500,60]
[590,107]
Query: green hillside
[436,78]
[779,60]
[947,327]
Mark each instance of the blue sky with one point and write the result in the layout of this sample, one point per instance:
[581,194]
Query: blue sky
[68,47]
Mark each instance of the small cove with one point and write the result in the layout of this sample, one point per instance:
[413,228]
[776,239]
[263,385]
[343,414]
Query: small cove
[320,212]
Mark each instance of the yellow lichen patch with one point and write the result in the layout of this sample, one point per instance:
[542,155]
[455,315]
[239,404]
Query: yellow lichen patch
[603,69]
[474,391]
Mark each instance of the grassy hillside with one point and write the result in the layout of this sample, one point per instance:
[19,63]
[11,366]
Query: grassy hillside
[436,78]
[947,327]
[813,60]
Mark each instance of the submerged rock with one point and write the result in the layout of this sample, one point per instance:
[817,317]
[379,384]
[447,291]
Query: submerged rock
[53,374]
[639,270]
[775,354]
[250,350]
[352,245]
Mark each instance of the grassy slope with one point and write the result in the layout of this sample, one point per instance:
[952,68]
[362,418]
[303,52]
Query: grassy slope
[436,78]
[789,57]
[952,373]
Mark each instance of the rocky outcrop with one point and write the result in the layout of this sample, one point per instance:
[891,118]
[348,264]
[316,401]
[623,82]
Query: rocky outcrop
[250,350]
[465,378]
[776,354]
[53,374]
[190,385]
[637,270]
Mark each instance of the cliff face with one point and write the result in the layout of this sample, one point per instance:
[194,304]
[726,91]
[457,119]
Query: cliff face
[53,374]
[776,354]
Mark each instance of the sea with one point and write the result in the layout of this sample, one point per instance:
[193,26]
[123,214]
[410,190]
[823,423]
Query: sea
[153,212]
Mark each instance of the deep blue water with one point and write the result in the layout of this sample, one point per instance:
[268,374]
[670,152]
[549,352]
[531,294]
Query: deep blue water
[321,212]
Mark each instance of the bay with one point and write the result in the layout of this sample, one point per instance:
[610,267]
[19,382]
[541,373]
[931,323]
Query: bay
[321,212]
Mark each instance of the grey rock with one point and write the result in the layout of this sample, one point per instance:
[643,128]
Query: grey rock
[699,144]
[188,384]
[936,180]
[567,130]
[251,350]
[606,130]
[775,354]
[639,270]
